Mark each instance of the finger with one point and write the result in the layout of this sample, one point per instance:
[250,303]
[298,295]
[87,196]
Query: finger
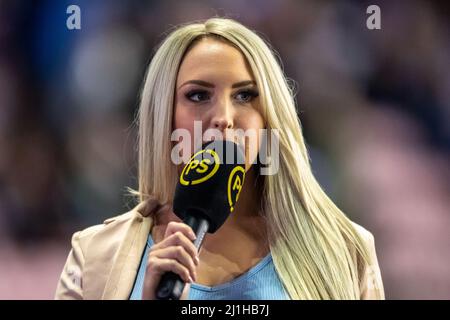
[179,239]
[159,266]
[173,227]
[185,294]
[180,254]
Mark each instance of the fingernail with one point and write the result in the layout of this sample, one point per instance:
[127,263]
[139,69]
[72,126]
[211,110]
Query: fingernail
[193,236]
[197,260]
[190,279]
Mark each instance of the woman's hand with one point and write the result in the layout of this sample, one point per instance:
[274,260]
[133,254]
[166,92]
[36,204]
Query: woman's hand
[176,253]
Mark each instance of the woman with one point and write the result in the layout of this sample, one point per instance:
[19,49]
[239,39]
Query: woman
[285,239]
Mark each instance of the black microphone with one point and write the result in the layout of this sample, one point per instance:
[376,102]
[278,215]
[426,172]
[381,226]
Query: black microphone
[206,194]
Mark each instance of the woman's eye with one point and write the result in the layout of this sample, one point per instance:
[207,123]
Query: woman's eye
[243,96]
[197,96]
[246,95]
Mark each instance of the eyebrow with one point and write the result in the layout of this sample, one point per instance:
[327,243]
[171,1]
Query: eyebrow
[210,85]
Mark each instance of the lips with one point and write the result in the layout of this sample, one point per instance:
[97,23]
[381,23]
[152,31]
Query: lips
[233,138]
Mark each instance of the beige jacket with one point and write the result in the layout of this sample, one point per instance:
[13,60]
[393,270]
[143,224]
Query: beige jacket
[104,259]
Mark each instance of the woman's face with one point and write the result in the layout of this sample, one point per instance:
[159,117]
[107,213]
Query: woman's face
[215,85]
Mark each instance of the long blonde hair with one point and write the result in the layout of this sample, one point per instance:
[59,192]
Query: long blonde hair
[312,242]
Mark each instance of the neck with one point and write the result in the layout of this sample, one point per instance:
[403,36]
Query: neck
[245,224]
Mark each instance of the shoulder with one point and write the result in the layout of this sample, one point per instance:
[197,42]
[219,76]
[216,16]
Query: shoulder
[113,228]
[110,223]
[71,282]
[117,226]
[93,251]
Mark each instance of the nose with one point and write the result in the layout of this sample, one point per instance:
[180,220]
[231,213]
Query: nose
[222,116]
[222,123]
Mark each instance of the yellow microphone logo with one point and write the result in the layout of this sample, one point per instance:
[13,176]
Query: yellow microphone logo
[202,166]
[235,183]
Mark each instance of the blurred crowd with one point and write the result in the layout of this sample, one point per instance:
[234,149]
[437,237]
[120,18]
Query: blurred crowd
[374,104]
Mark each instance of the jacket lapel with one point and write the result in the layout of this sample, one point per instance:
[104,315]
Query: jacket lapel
[124,270]
[114,256]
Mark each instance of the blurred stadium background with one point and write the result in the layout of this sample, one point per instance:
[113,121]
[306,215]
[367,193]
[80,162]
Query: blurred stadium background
[375,105]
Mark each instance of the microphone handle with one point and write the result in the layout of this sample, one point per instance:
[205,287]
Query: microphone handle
[171,285]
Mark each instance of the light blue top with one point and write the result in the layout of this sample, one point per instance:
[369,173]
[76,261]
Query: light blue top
[261,282]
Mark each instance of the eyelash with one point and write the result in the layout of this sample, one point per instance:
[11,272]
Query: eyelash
[250,92]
